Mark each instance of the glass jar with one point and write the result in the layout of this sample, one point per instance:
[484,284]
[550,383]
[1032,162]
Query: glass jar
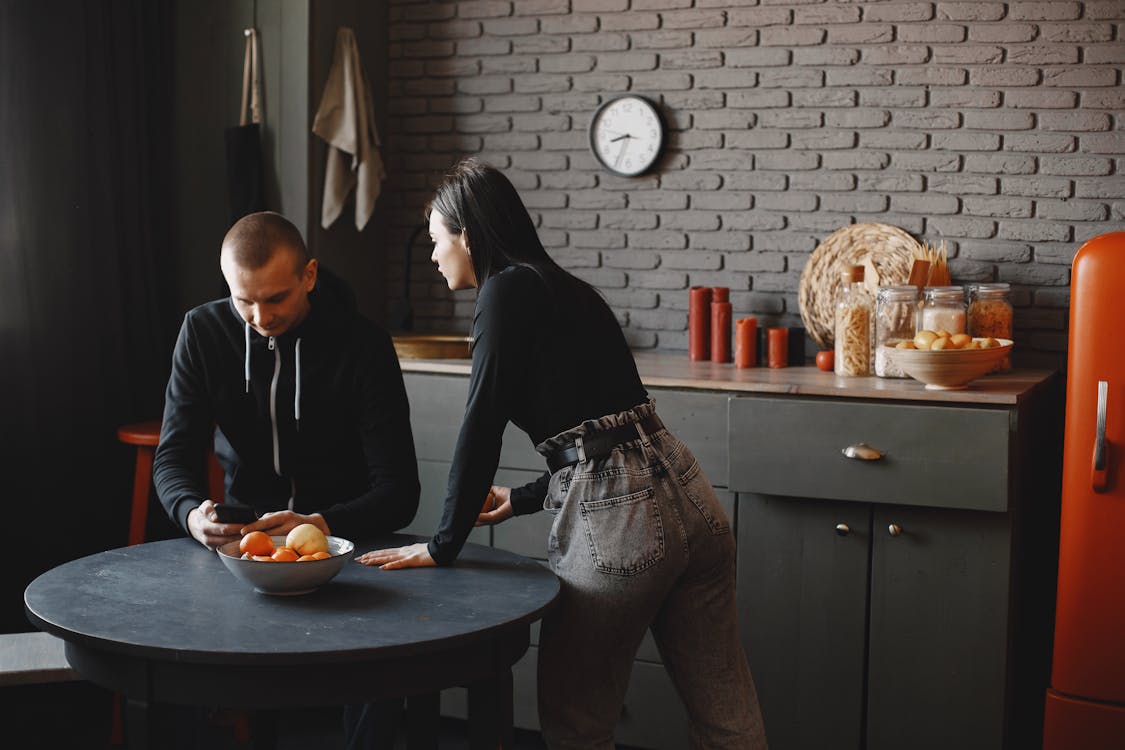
[942,309]
[895,308]
[991,314]
[853,317]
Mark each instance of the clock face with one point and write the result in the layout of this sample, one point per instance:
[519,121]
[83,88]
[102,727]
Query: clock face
[626,135]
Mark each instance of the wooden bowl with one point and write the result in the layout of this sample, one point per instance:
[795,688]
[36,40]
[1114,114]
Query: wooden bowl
[949,369]
[428,346]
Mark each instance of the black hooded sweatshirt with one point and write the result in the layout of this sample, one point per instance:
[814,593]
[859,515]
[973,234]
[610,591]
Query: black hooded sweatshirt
[315,419]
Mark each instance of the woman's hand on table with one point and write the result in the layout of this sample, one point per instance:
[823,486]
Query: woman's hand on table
[497,507]
[392,558]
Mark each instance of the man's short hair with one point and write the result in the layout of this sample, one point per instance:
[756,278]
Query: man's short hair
[255,238]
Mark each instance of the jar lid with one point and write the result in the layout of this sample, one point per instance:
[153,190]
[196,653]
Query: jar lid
[945,293]
[992,290]
[851,274]
[898,293]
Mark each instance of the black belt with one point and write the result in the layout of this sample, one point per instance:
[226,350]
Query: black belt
[600,444]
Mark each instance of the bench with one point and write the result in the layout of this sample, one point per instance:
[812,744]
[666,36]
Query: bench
[33,659]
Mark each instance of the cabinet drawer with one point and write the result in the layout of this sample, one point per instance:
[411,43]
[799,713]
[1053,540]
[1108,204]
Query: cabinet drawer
[940,456]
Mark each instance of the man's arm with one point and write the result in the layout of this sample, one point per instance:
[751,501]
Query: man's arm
[391,499]
[185,433]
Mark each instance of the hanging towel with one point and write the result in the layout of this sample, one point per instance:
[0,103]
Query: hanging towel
[346,120]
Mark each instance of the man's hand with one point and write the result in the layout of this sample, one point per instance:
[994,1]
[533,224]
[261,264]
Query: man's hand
[411,556]
[497,508]
[205,528]
[281,522]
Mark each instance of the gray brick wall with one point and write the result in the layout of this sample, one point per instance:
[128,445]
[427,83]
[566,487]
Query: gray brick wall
[996,127]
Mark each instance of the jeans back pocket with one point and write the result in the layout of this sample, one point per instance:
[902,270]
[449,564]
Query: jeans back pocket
[625,533]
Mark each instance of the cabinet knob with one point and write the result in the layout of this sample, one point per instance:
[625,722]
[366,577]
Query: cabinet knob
[843,529]
[894,529]
[863,452]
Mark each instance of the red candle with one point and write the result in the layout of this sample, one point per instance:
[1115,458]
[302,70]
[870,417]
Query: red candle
[720,294]
[720,331]
[746,342]
[778,347]
[699,323]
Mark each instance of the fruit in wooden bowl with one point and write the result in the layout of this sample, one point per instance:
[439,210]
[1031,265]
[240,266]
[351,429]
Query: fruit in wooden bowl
[946,367]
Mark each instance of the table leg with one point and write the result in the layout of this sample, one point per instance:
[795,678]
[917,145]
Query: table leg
[139,725]
[422,720]
[490,713]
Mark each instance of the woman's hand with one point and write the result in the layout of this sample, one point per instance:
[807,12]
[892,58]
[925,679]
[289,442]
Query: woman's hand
[411,556]
[497,507]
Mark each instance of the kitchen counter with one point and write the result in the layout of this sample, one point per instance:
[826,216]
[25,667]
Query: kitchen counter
[675,370]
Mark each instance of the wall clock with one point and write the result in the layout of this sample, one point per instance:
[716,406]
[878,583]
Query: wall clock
[627,134]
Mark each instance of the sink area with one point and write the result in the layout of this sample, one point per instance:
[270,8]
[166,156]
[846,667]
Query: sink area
[432,346]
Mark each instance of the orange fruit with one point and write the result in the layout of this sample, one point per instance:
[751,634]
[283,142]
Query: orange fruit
[303,558]
[262,558]
[321,555]
[256,543]
[284,554]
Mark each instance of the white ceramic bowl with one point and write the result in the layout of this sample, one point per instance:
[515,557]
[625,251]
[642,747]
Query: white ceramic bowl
[949,369]
[287,577]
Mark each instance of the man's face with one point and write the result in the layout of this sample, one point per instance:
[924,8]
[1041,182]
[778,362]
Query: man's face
[273,298]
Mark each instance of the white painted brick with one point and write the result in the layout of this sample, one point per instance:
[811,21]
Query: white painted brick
[630,21]
[901,11]
[1042,54]
[691,259]
[1040,143]
[483,9]
[753,221]
[755,263]
[1071,210]
[932,33]
[964,98]
[859,159]
[867,33]
[693,19]
[862,76]
[825,56]
[890,183]
[995,252]
[1003,33]
[602,278]
[726,38]
[998,207]
[821,141]
[1003,76]
[599,239]
[760,17]
[540,7]
[757,58]
[898,96]
[952,226]
[1075,165]
[932,76]
[1054,10]
[658,279]
[603,42]
[721,240]
[1034,231]
[892,141]
[1037,187]
[570,25]
[1075,121]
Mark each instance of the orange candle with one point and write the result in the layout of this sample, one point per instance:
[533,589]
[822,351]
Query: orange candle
[778,347]
[720,331]
[746,342]
[699,323]
[720,294]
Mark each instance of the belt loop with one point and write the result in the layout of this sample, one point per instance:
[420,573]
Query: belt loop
[581,449]
[641,431]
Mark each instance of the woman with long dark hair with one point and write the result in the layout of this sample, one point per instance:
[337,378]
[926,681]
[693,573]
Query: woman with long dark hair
[639,539]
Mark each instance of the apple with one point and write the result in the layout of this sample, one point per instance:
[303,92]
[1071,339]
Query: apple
[826,360]
[306,539]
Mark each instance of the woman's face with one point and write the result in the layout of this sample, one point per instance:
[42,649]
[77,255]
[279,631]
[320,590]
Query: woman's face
[451,255]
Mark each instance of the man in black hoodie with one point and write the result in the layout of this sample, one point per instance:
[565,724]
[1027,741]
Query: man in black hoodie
[301,397]
[303,401]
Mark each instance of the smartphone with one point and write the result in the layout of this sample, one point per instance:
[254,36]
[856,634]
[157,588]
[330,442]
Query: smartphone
[230,513]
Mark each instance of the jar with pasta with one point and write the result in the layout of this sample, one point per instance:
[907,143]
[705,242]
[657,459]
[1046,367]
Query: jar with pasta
[853,329]
[895,308]
[990,314]
[942,309]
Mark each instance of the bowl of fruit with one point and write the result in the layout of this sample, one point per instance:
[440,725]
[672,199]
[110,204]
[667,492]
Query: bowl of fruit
[297,563]
[946,361]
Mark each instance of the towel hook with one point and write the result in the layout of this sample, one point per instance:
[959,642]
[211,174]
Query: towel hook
[247,32]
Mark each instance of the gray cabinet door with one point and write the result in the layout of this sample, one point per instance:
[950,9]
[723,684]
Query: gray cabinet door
[802,607]
[939,629]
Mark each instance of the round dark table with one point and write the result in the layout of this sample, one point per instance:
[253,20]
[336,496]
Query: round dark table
[167,623]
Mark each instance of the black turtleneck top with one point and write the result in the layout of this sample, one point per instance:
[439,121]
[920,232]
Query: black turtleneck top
[547,355]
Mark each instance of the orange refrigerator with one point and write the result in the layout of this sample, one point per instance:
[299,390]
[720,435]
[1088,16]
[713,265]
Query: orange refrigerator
[1085,706]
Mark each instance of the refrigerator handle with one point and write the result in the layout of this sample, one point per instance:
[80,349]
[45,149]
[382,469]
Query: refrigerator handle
[1098,475]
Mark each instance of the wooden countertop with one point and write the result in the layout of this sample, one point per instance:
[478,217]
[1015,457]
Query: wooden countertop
[675,370]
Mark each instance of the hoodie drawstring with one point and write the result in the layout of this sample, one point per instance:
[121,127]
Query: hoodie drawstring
[246,369]
[297,394]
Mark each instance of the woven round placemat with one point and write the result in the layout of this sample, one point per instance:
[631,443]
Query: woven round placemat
[885,251]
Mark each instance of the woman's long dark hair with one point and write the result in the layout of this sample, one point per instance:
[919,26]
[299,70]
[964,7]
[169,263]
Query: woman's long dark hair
[479,200]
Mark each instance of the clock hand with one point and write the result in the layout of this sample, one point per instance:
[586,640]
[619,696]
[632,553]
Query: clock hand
[621,153]
[618,138]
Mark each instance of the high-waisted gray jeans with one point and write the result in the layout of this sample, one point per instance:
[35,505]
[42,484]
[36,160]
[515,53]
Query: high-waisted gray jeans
[640,541]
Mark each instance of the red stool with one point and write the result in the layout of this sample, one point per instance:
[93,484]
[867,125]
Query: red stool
[145,435]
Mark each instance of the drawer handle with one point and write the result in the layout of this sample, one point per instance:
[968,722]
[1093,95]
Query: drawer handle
[863,452]
[894,530]
[843,529]
[1098,475]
